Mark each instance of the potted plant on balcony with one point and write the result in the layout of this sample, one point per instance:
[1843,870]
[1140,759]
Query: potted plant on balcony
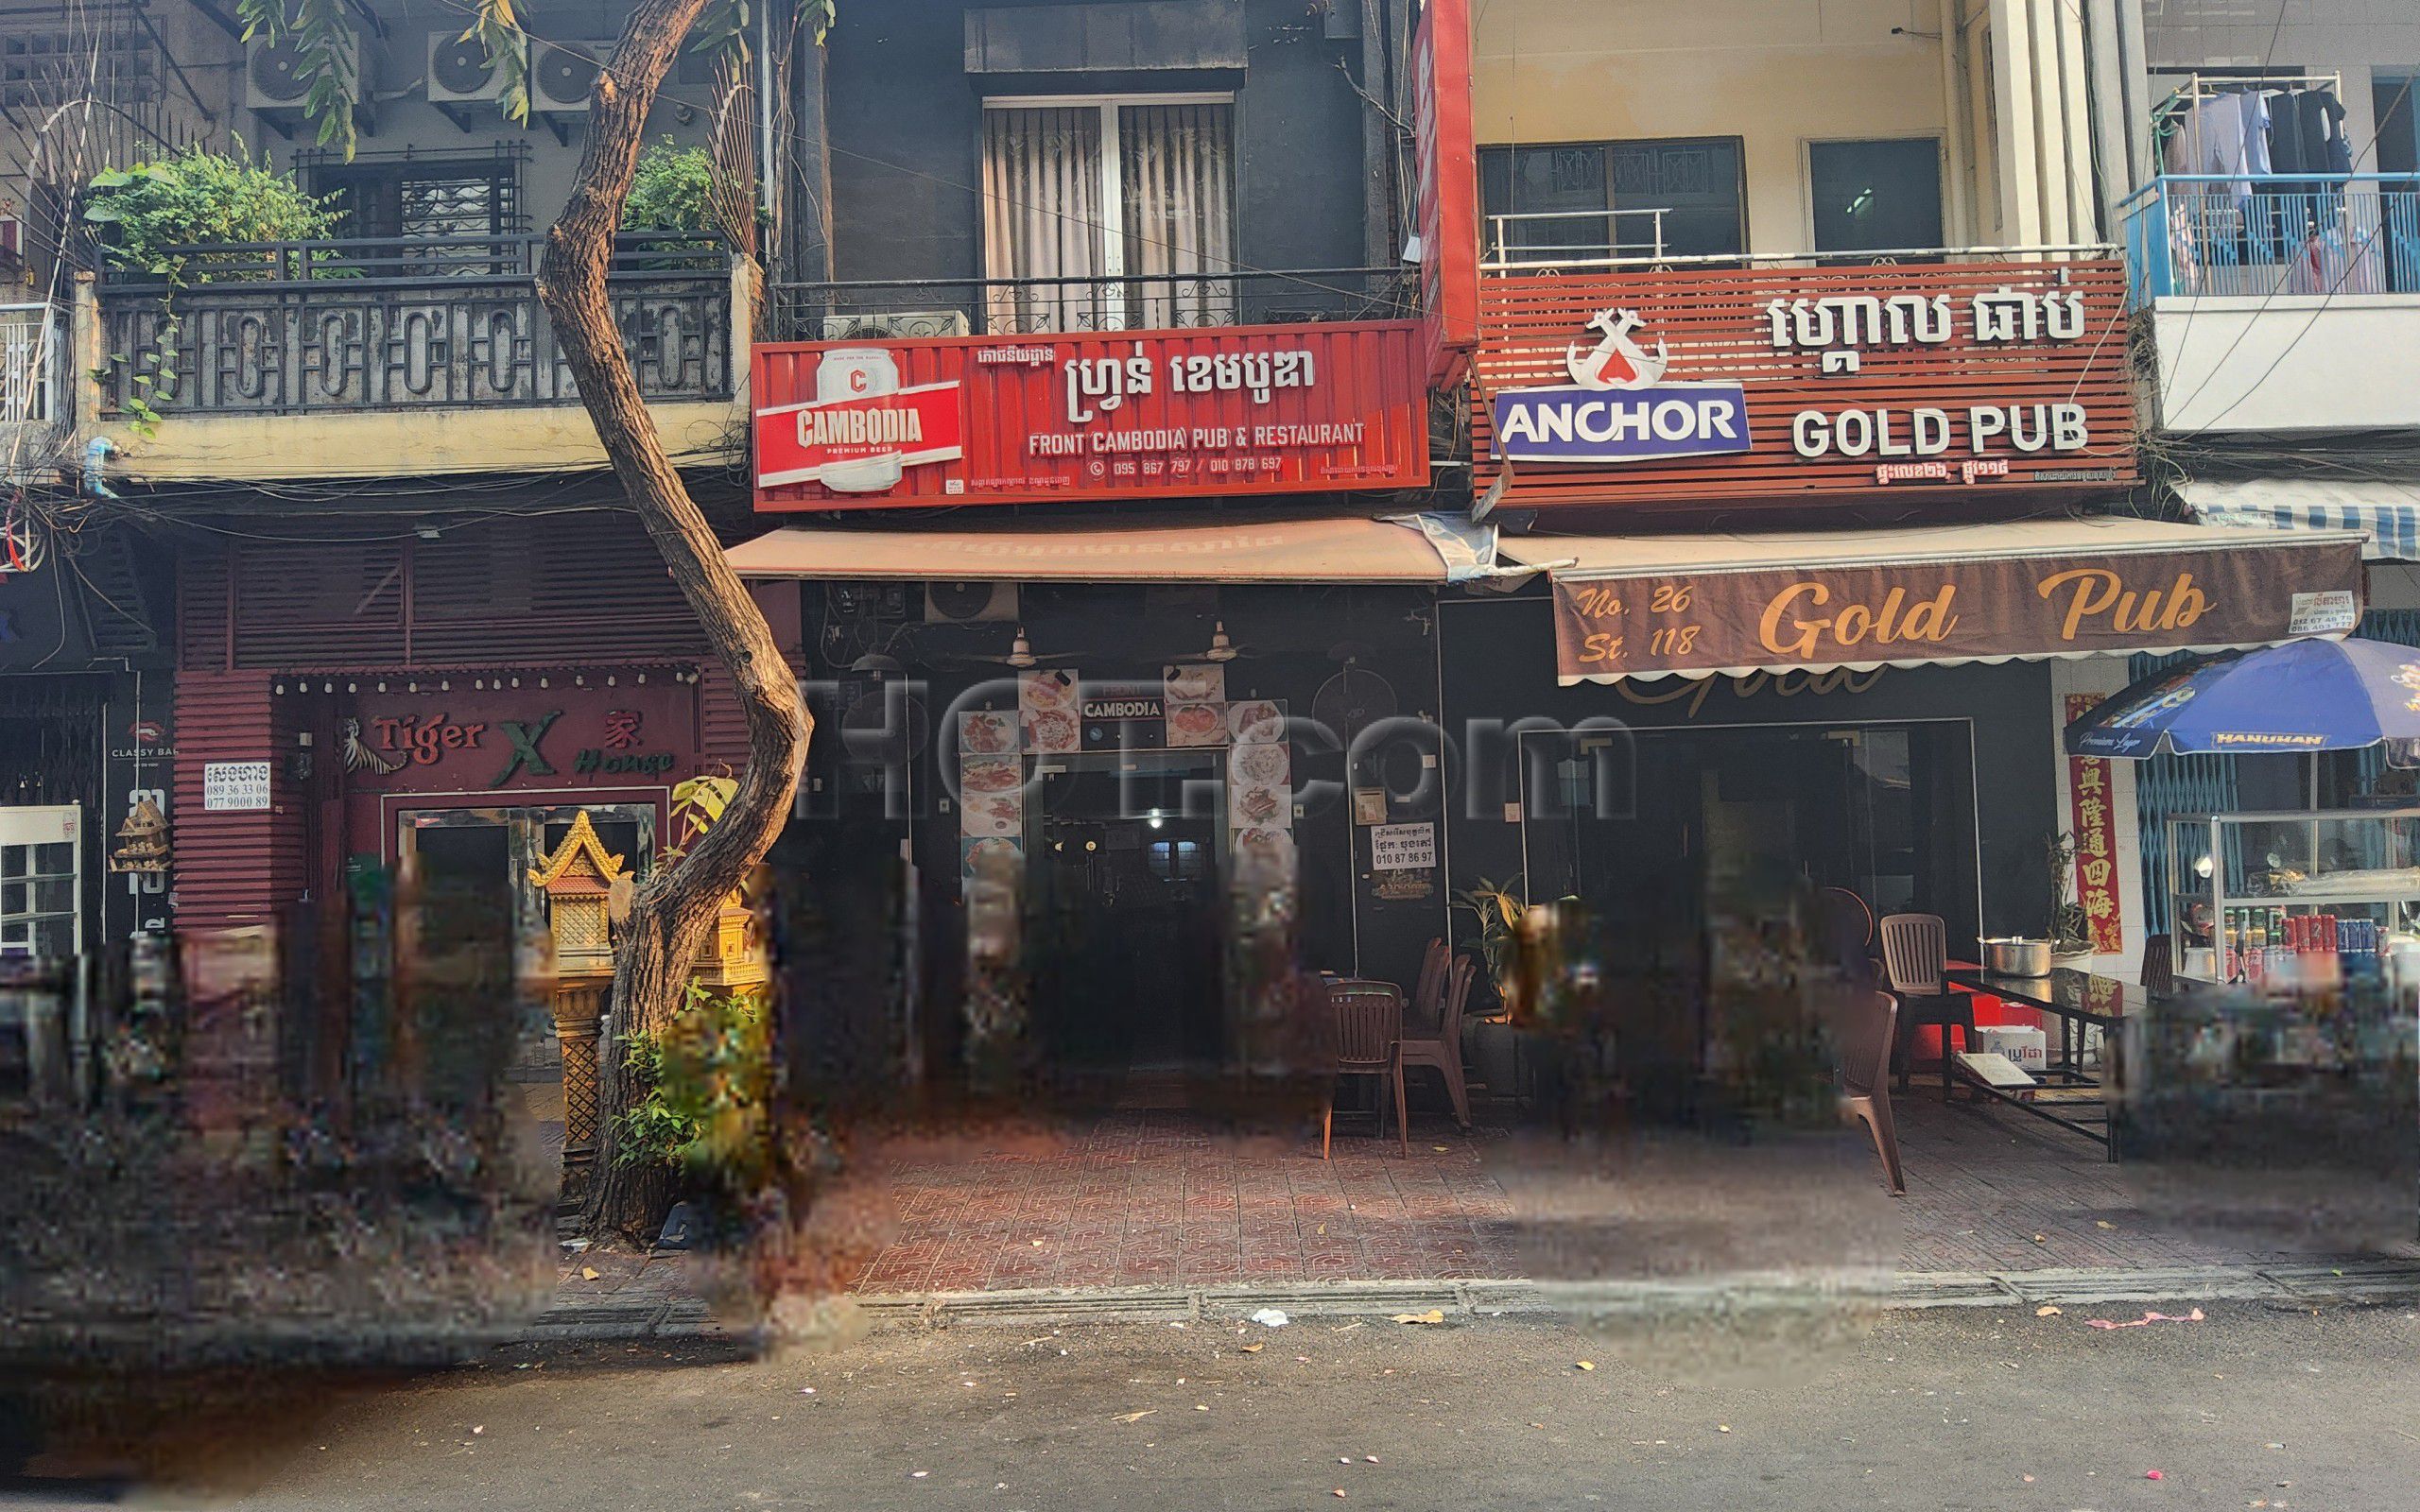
[149,217]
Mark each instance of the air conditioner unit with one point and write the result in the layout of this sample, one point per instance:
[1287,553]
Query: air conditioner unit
[563,73]
[460,72]
[274,77]
[897,325]
[969,603]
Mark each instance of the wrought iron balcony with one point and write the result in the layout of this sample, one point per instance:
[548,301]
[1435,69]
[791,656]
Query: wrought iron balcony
[363,324]
[891,309]
[2207,235]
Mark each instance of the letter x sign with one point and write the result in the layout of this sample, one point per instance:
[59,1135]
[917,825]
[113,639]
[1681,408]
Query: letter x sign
[526,756]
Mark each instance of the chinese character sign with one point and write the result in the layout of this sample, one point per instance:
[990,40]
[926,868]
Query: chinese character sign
[2090,795]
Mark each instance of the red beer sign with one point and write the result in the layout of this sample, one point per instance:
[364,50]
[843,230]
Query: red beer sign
[1124,415]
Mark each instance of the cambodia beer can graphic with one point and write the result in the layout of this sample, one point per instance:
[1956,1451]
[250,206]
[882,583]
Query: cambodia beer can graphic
[1618,407]
[862,430]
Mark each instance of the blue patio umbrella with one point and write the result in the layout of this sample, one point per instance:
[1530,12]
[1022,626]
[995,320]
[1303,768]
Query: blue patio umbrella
[2303,695]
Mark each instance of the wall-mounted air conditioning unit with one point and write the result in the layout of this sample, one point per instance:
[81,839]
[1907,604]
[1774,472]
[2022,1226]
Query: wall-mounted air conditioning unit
[460,72]
[275,81]
[896,325]
[563,73]
[969,603]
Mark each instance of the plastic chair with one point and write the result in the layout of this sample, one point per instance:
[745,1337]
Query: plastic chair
[1845,925]
[1915,960]
[1427,995]
[1867,1040]
[1443,1047]
[1365,1022]
[2159,962]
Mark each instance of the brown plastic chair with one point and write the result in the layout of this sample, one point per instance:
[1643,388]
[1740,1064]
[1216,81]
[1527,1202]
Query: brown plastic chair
[1867,1038]
[2159,962]
[1365,1022]
[1915,960]
[1443,1047]
[1427,995]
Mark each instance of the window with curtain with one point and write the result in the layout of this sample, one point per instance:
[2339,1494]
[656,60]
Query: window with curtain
[1108,215]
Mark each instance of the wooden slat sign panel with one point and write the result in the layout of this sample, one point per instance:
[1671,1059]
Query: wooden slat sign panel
[1803,383]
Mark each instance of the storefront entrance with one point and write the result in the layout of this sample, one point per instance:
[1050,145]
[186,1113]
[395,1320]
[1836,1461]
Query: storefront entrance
[1711,862]
[477,943]
[1126,905]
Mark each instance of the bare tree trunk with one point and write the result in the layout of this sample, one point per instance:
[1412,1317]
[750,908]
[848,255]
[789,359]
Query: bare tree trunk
[671,915]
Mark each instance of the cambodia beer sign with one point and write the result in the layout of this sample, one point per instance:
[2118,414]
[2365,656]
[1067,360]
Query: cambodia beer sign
[1125,415]
[1782,384]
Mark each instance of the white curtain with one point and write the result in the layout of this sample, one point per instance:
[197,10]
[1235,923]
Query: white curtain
[1176,170]
[1042,218]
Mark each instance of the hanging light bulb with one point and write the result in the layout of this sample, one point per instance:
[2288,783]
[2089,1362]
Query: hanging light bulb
[1021,650]
[1222,649]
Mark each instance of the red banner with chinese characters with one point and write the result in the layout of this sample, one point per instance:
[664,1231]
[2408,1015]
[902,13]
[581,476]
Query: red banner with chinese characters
[2095,830]
[1119,415]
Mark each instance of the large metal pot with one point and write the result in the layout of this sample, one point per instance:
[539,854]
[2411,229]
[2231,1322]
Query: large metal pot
[2016,955]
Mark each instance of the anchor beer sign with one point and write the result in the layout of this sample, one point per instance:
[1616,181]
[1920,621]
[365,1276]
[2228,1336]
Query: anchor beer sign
[1764,384]
[1618,408]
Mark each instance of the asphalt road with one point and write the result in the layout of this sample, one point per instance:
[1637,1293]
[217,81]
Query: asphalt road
[2248,1408]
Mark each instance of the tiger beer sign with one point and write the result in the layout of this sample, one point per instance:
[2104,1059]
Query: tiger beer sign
[1134,415]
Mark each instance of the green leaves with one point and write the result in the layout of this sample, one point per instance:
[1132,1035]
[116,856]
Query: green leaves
[326,50]
[497,31]
[709,1079]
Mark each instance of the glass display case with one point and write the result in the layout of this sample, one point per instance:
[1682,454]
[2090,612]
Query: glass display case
[2249,889]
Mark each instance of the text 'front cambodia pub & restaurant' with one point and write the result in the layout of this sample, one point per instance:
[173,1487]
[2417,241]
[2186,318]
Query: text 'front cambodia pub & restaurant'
[1153,666]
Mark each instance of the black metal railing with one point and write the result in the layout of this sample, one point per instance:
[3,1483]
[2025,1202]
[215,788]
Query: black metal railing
[892,308]
[369,324]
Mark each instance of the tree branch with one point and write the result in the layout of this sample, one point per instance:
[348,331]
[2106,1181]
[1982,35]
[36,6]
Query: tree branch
[672,913]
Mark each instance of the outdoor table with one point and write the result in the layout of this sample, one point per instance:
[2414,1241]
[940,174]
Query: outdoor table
[2077,1000]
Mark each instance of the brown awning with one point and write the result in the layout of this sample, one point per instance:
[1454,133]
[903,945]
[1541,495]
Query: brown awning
[1127,549]
[1695,606]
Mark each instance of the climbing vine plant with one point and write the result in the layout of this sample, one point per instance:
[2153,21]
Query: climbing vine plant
[148,218]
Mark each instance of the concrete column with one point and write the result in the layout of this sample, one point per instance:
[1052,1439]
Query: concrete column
[2076,157]
[2049,119]
[2016,153]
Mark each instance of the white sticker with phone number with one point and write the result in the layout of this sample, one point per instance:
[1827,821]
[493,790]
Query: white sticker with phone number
[2318,614]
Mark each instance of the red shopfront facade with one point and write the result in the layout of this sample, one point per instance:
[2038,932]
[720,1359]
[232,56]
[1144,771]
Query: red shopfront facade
[359,719]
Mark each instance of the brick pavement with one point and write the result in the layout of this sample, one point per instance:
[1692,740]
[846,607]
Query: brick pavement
[1162,1197]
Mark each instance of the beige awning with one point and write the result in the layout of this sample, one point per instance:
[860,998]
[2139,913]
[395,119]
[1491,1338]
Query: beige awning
[1129,549]
[1698,606]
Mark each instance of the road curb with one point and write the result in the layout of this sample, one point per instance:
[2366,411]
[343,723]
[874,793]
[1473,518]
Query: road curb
[2346,1283]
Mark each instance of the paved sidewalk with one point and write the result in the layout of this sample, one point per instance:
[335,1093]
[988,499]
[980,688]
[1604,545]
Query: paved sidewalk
[1162,1199]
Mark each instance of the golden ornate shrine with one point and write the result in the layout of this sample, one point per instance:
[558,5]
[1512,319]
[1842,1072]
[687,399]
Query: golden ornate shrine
[579,882]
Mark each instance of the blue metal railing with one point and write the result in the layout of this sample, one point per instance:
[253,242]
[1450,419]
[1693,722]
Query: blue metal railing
[2199,233]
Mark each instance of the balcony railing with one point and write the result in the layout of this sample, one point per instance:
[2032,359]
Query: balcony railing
[358,325]
[1509,258]
[2207,235]
[896,308]
[33,352]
